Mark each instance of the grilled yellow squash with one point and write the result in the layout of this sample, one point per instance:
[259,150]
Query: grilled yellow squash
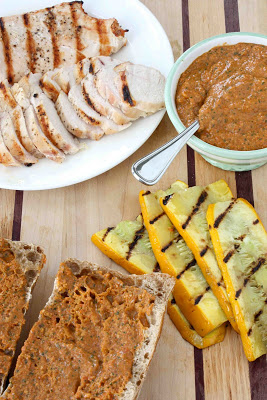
[128,245]
[240,243]
[187,210]
[187,331]
[192,292]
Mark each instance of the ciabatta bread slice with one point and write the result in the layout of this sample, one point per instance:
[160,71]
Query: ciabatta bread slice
[95,337]
[20,266]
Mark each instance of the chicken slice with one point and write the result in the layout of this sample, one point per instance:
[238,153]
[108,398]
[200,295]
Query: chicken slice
[23,90]
[140,87]
[12,142]
[6,157]
[74,124]
[85,109]
[43,144]
[51,124]
[9,104]
[50,86]
[101,105]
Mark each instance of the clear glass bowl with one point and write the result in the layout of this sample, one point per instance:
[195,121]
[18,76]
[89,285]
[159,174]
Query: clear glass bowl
[231,160]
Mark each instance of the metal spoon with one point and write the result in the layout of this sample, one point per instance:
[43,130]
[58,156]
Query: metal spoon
[151,168]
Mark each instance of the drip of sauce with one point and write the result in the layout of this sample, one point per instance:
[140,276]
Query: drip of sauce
[226,90]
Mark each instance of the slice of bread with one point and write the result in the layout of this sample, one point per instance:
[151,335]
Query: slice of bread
[20,266]
[58,352]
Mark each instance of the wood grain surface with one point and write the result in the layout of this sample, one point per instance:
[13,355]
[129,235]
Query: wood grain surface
[63,220]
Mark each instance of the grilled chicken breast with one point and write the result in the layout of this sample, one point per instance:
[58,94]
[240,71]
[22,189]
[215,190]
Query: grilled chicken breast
[40,114]
[57,36]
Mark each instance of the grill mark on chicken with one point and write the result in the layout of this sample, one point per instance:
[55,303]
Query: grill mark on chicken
[157,268]
[125,90]
[30,43]
[253,270]
[106,233]
[219,219]
[7,97]
[42,118]
[138,235]
[152,221]
[187,267]
[104,42]
[17,126]
[200,201]
[8,56]
[78,28]
[52,29]
[198,298]
[88,100]
[90,120]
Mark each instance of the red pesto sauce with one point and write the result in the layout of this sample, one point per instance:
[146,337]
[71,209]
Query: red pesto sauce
[226,90]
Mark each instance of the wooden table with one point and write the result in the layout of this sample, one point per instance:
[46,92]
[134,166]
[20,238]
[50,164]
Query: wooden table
[63,220]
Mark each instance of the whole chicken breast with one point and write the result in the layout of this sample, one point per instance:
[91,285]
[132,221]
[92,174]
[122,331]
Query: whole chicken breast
[54,37]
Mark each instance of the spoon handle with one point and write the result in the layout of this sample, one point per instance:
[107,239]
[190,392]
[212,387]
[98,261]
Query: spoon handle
[150,168]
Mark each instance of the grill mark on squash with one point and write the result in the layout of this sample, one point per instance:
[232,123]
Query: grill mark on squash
[146,193]
[52,29]
[126,91]
[203,251]
[256,221]
[156,218]
[256,317]
[157,268]
[176,240]
[166,199]
[228,256]
[200,201]
[173,301]
[219,219]
[30,43]
[109,229]
[138,235]
[198,298]
[187,267]
[78,28]
[7,50]
[253,270]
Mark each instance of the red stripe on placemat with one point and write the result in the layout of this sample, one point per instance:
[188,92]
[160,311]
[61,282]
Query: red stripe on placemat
[198,356]
[244,188]
[17,215]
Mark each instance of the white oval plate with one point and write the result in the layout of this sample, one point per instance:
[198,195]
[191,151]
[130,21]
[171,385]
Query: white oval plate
[147,44]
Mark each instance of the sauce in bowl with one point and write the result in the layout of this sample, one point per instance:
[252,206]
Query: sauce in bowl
[226,90]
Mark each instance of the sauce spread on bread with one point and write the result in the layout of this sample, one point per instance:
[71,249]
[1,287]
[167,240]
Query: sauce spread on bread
[13,301]
[84,344]
[226,90]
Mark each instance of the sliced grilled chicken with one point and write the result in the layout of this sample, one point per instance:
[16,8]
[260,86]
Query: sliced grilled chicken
[140,87]
[50,86]
[101,105]
[9,104]
[51,124]
[74,124]
[43,144]
[6,157]
[25,88]
[85,109]
[54,37]
[12,142]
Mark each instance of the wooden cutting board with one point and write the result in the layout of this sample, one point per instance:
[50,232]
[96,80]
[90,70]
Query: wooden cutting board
[63,220]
